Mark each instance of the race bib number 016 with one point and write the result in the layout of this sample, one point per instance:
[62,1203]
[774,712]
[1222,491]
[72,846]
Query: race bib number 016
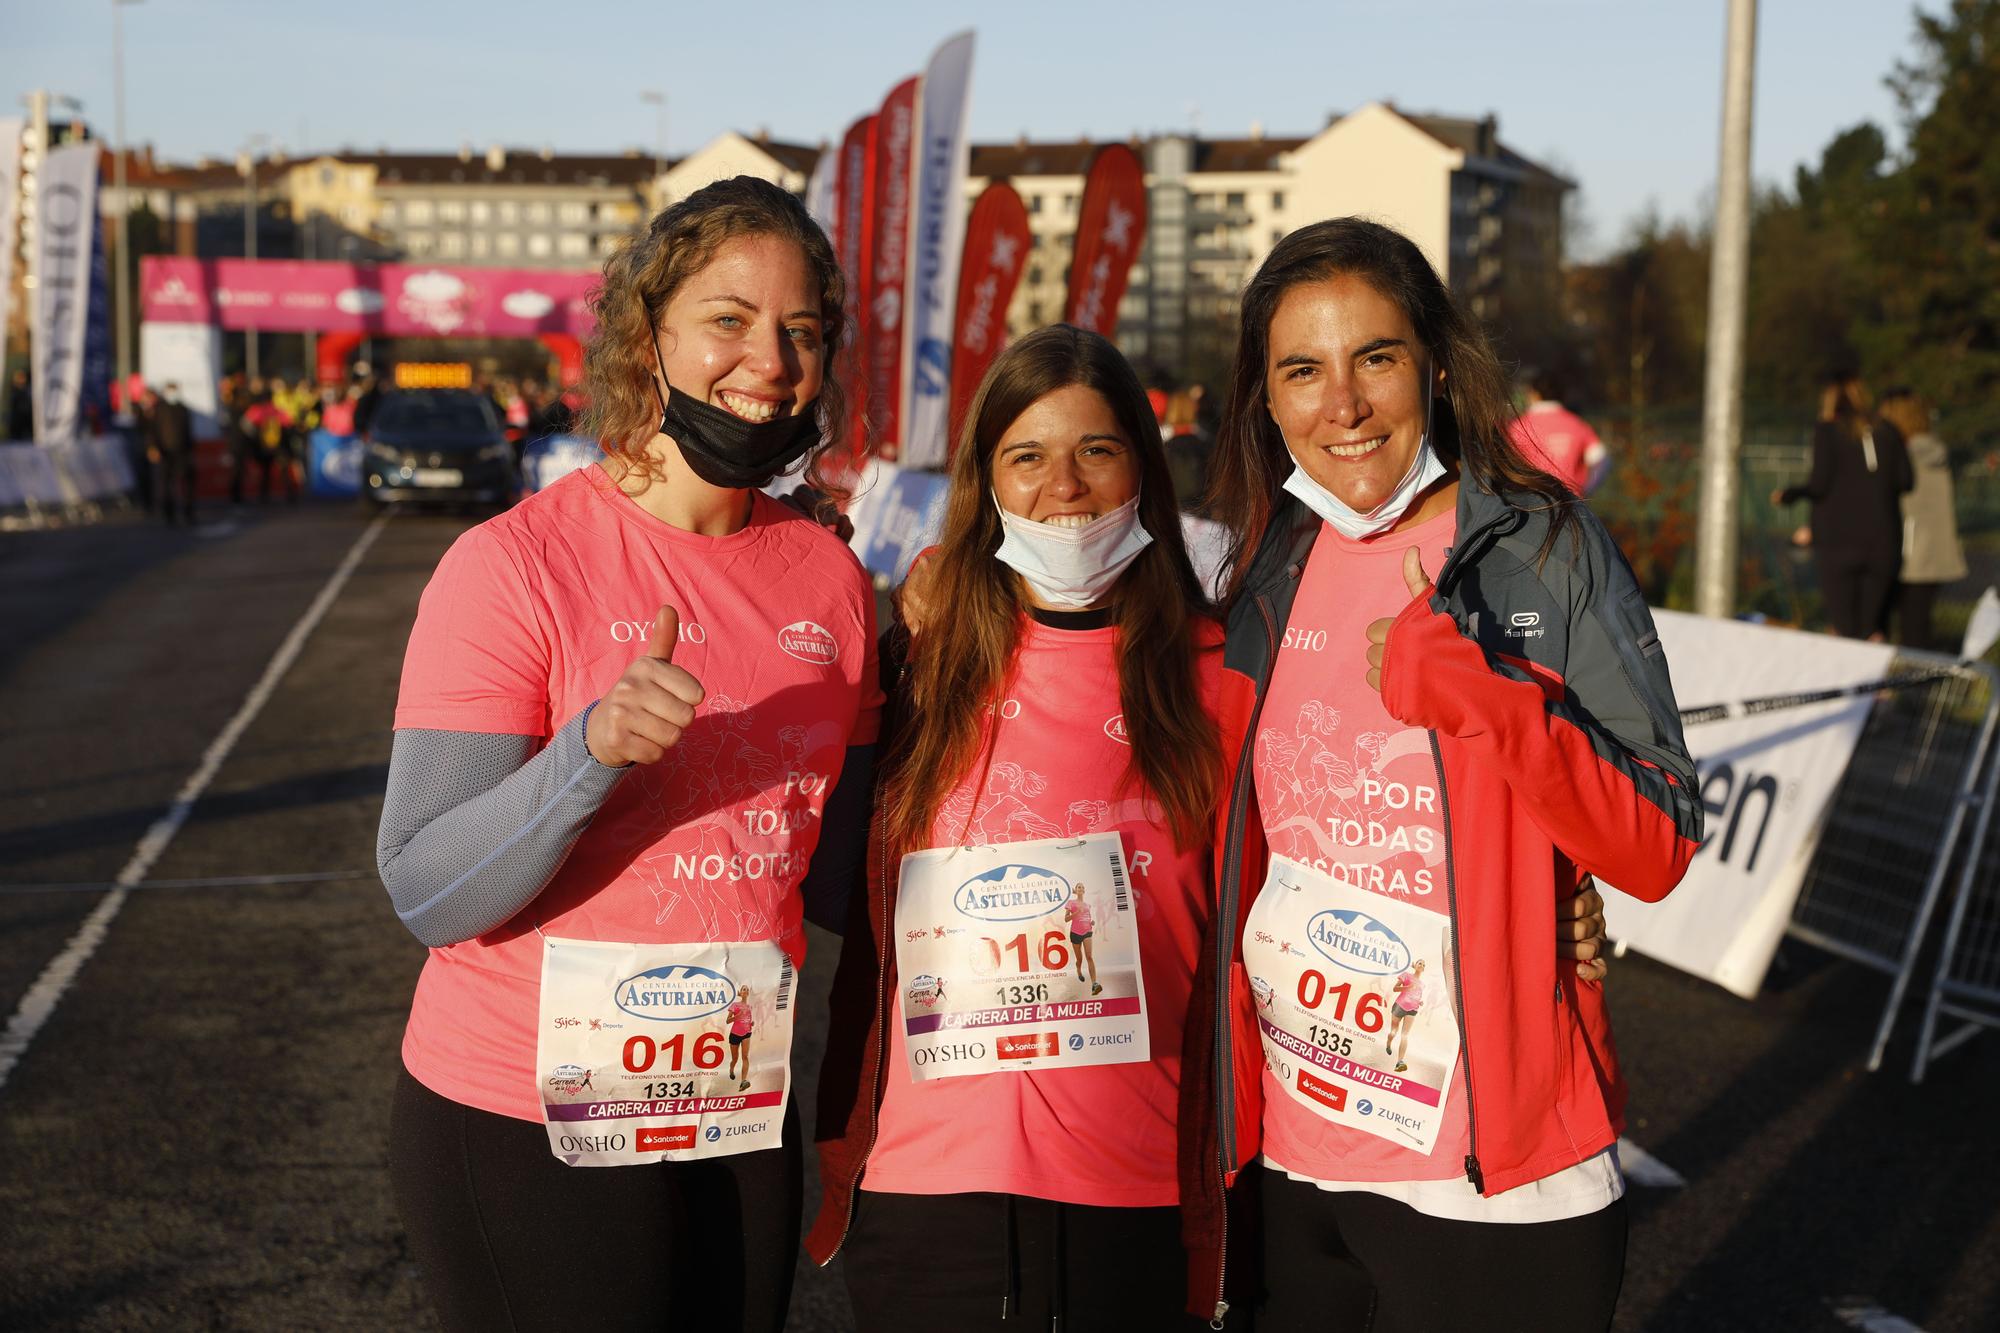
[1021,956]
[651,1053]
[1353,994]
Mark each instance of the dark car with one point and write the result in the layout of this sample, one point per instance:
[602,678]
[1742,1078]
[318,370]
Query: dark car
[437,446]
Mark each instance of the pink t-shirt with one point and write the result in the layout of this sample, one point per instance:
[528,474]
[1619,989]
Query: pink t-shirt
[1081,922]
[1557,440]
[1102,1135]
[1329,761]
[739,1019]
[535,614]
[1409,993]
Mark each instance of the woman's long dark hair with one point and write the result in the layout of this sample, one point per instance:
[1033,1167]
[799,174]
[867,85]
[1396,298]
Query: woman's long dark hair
[959,662]
[1469,424]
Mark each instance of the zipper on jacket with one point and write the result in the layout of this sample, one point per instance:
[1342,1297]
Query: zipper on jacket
[1225,915]
[1472,1171]
[881,1045]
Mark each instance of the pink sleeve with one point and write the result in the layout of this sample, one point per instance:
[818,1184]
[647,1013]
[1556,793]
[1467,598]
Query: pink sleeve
[479,655]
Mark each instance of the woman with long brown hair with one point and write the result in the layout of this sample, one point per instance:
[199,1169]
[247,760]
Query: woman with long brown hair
[1000,1137]
[1445,706]
[635,726]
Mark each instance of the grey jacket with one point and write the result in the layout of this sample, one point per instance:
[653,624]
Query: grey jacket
[1931,549]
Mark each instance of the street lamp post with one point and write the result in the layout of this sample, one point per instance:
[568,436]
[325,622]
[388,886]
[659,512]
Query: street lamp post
[122,288]
[656,99]
[247,164]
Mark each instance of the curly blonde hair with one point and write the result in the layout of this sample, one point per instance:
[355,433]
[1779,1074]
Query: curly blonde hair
[645,272]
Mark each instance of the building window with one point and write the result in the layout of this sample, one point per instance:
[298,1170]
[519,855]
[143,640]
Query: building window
[479,246]
[1277,201]
[482,212]
[327,176]
[389,214]
[1034,275]
[451,244]
[539,244]
[507,212]
[507,244]
[572,213]
[417,212]
[418,243]
[1234,199]
[451,210]
[537,214]
[1069,205]
[1034,314]
[572,245]
[1034,203]
[607,242]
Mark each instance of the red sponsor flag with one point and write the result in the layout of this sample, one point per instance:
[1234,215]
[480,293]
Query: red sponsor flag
[996,250]
[854,217]
[1109,231]
[888,263]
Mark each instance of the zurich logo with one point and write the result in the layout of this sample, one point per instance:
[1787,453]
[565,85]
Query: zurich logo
[1011,893]
[675,994]
[1076,1041]
[1358,942]
[712,1133]
[1365,1106]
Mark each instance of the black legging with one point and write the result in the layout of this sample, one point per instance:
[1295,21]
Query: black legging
[1354,1262]
[1856,586]
[507,1237]
[1002,1263]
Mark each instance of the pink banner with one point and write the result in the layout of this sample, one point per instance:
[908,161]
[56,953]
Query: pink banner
[389,300]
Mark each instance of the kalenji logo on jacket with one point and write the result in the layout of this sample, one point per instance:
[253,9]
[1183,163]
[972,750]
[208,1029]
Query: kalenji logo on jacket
[809,643]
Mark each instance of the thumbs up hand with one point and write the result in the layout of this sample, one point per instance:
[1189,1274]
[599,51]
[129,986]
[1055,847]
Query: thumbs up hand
[1419,585]
[643,715]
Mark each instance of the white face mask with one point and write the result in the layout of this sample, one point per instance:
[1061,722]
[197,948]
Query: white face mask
[1351,523]
[1072,567]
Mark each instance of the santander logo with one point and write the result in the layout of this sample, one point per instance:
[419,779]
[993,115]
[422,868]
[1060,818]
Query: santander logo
[809,642]
[1114,727]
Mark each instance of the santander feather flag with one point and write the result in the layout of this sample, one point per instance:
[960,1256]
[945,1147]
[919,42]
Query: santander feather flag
[937,227]
[996,251]
[854,218]
[888,259]
[1110,228]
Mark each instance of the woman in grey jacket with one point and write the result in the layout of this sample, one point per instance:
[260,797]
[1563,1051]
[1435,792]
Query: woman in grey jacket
[1932,553]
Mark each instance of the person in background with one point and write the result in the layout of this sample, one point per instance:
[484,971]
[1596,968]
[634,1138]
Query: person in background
[1860,469]
[1187,448]
[139,453]
[1556,439]
[1932,553]
[21,408]
[170,448]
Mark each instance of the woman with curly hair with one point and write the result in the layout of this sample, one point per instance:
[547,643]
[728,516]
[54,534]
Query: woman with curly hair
[636,720]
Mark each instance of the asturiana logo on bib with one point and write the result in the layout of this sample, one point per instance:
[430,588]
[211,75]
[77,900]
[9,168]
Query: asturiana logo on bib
[675,994]
[1359,943]
[1011,893]
[1114,727]
[808,642]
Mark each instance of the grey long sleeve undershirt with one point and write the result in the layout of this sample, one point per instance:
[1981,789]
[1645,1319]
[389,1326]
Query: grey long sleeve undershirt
[475,825]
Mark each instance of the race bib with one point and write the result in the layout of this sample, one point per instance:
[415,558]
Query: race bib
[1354,1002]
[663,1052]
[1020,956]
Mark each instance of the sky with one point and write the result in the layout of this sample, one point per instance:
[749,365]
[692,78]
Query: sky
[1622,96]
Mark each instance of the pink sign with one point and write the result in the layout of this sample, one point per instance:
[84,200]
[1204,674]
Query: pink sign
[390,300]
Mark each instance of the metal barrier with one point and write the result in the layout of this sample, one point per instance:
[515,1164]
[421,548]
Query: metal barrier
[1899,816]
[1966,983]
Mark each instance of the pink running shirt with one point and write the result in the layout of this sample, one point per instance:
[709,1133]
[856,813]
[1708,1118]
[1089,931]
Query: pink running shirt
[1328,757]
[1099,1134]
[1411,997]
[1556,440]
[1081,922]
[739,1019]
[532,616]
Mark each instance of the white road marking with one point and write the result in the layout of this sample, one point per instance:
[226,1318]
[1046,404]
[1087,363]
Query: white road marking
[1862,1313]
[1642,1168]
[40,1001]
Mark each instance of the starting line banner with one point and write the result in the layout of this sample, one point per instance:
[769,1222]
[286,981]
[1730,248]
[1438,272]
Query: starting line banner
[1766,776]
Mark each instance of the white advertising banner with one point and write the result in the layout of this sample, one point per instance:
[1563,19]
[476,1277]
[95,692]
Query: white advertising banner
[820,189]
[189,356]
[10,221]
[1765,781]
[937,236]
[65,218]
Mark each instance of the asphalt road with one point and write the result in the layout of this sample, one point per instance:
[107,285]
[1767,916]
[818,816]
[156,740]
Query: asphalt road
[195,1136]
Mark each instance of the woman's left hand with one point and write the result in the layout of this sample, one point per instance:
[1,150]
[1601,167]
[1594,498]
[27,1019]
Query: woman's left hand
[1580,931]
[1378,630]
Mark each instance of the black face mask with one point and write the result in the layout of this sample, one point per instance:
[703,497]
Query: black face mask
[725,450]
